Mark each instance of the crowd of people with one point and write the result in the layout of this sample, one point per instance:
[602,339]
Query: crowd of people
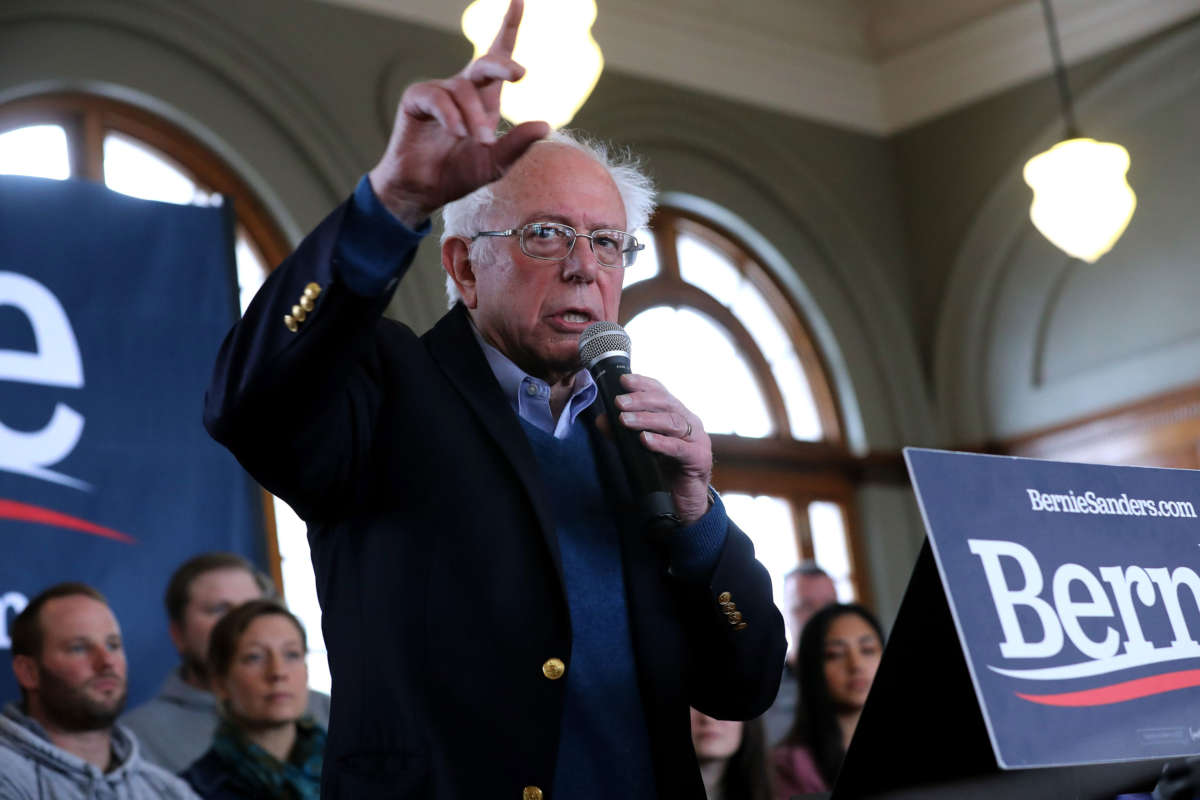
[236,719]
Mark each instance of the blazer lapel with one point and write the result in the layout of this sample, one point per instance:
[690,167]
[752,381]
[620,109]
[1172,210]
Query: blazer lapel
[453,346]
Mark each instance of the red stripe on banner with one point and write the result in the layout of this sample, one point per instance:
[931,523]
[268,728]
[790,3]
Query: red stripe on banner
[1120,692]
[10,509]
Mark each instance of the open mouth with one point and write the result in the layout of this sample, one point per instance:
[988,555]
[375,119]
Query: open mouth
[576,317]
[571,320]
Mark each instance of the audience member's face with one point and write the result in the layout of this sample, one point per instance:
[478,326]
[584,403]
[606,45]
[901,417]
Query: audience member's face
[81,678]
[209,597]
[852,652]
[715,739]
[267,684]
[805,596]
[533,310]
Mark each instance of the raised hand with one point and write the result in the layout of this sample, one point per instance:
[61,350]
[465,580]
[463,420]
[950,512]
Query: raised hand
[443,143]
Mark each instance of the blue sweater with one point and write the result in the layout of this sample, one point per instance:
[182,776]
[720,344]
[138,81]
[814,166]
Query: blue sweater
[604,750]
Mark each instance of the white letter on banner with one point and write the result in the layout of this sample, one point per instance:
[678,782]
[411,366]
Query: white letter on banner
[1006,600]
[17,602]
[1035,500]
[54,362]
[1168,587]
[1122,581]
[1069,611]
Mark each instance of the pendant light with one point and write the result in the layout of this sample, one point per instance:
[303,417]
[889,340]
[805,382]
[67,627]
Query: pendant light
[555,45]
[1082,201]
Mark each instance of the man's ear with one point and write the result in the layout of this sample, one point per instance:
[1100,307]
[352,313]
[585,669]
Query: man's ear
[456,260]
[25,668]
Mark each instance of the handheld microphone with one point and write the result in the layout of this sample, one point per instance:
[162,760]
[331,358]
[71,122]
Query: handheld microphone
[604,350]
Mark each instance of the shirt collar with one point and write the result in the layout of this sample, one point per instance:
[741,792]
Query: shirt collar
[529,397]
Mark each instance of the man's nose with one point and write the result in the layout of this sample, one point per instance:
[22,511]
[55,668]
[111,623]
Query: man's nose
[103,659]
[581,264]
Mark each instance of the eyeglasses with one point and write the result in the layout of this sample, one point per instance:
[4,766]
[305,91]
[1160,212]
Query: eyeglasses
[553,241]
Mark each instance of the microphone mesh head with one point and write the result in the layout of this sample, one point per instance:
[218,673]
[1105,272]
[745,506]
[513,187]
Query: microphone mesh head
[600,338]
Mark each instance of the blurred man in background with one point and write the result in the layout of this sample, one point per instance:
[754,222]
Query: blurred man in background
[61,741]
[806,590]
[176,726]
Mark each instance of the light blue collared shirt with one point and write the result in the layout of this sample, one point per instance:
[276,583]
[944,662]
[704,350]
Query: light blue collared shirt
[530,396]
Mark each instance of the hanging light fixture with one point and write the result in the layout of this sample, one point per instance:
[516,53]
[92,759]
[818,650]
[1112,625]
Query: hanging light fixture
[1082,202]
[555,45]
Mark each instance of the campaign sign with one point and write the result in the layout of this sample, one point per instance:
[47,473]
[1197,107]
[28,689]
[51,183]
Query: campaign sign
[1075,591]
[111,313]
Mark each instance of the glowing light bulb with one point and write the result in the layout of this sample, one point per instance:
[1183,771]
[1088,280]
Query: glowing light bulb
[555,45]
[1082,201]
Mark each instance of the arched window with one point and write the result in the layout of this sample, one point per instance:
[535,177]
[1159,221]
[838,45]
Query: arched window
[74,135]
[708,319]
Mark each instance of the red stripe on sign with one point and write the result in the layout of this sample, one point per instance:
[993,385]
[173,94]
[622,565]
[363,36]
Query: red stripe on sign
[10,509]
[1120,692]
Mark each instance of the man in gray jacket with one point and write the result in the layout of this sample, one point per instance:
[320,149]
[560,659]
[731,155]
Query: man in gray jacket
[176,726]
[61,741]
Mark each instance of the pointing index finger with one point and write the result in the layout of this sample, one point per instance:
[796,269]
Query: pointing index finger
[506,37]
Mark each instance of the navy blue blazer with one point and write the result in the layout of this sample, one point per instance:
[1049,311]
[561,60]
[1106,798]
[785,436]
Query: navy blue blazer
[436,562]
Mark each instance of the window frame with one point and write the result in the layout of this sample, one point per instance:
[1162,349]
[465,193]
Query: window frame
[795,470]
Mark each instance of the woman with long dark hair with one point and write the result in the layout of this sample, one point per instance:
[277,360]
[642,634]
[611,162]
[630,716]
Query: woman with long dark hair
[732,756]
[840,649]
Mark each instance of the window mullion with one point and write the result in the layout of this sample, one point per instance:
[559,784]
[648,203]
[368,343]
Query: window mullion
[858,560]
[804,545]
[665,235]
[91,147]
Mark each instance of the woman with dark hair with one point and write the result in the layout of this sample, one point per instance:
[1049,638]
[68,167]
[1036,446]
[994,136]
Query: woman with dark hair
[732,756]
[840,649]
[265,748]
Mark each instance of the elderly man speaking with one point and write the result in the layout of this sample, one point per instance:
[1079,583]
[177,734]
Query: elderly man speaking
[498,623]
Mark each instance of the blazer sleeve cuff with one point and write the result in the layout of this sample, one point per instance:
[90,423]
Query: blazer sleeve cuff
[695,549]
[373,246]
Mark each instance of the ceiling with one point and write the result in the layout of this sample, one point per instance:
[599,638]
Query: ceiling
[876,66]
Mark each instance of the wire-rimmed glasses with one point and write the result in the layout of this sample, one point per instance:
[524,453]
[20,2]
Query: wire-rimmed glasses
[554,241]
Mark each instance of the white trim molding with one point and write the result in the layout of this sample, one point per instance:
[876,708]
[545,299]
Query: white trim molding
[812,59]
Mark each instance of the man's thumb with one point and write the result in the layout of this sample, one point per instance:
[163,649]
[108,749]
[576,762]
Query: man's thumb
[512,145]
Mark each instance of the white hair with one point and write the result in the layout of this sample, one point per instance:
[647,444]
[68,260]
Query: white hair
[467,215]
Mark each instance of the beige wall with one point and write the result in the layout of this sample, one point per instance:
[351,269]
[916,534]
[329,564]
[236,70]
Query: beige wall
[1014,336]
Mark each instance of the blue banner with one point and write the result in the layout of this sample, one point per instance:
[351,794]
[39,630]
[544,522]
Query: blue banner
[1075,589]
[111,313]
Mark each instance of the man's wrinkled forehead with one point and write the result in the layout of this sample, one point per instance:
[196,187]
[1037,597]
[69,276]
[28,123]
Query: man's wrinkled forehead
[555,182]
